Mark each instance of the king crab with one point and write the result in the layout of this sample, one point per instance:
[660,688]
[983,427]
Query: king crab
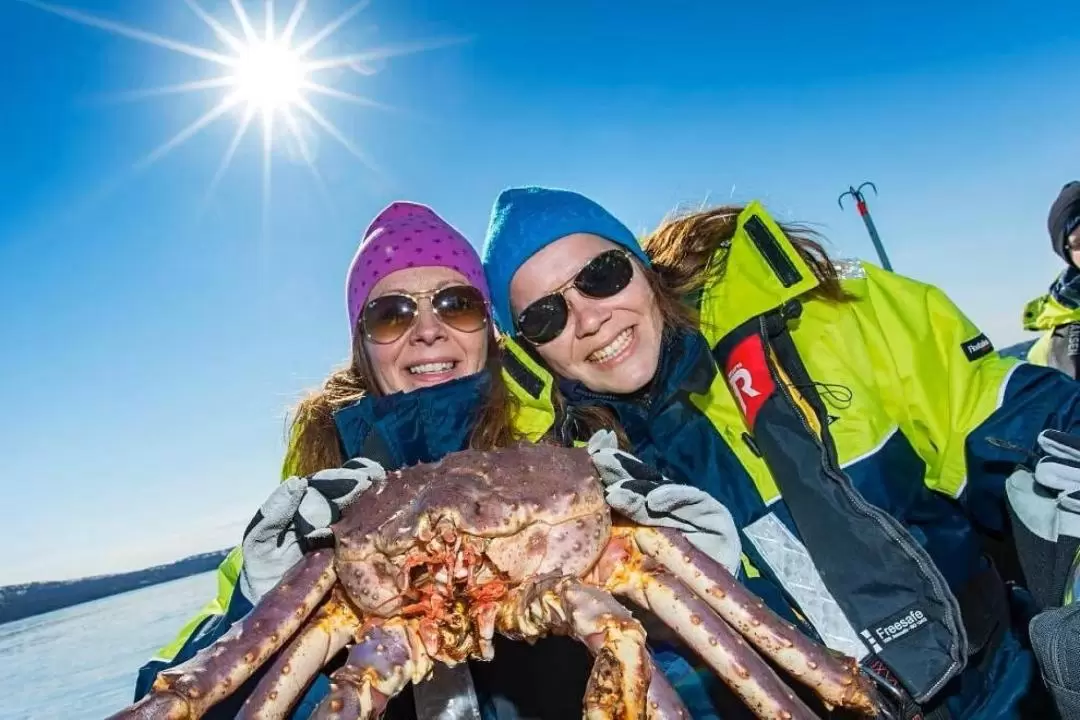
[433,561]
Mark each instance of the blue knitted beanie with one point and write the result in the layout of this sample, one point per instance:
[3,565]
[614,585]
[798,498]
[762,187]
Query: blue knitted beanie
[524,220]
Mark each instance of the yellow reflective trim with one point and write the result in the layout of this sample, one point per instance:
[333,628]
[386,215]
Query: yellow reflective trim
[228,573]
[533,417]
[1039,353]
[748,567]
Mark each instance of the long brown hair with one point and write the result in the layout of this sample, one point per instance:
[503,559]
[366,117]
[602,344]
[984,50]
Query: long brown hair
[687,250]
[314,443]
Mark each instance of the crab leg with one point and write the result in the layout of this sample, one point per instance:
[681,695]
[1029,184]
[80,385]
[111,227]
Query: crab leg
[760,688]
[620,675]
[331,628]
[191,688]
[833,677]
[386,658]
[664,702]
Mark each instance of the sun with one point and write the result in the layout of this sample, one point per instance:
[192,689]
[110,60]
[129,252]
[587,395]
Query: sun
[269,76]
[264,73]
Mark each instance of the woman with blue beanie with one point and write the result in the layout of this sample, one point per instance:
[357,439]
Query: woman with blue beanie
[859,428]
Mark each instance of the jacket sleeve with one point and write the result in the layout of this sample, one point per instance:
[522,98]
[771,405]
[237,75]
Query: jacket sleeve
[972,414]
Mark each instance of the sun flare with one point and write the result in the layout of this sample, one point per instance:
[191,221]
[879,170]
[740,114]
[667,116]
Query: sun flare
[265,73]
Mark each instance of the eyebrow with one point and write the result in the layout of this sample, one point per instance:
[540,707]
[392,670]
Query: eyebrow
[438,286]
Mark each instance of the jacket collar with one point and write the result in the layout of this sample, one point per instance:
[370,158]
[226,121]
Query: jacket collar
[685,367]
[408,428]
[1060,306]
[759,271]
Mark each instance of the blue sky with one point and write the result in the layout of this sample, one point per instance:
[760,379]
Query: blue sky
[151,344]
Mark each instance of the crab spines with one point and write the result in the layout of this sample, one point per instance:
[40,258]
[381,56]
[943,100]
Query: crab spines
[385,659]
[833,677]
[328,631]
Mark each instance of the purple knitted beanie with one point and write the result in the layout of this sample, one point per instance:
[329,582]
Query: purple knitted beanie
[405,235]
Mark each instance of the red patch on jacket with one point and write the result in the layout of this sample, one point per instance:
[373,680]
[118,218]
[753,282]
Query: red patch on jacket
[748,377]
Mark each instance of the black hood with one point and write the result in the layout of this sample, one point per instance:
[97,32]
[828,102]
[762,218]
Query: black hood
[1064,216]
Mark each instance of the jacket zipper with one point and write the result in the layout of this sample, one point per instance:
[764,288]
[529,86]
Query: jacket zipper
[888,524]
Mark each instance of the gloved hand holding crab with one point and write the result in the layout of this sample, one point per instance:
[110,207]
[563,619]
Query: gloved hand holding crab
[298,514]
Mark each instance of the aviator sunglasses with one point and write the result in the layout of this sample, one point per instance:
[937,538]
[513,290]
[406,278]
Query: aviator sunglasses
[387,318]
[604,276]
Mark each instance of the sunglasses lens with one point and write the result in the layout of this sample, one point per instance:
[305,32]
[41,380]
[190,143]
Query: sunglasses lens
[542,321]
[387,318]
[462,307]
[606,275]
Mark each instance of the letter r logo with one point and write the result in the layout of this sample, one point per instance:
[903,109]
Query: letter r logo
[749,378]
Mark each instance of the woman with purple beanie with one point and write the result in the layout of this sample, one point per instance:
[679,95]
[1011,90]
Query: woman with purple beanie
[423,379]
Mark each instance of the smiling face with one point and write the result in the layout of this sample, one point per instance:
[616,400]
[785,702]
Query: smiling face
[430,351]
[611,344]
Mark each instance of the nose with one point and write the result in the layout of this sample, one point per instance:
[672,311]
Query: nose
[428,329]
[589,314]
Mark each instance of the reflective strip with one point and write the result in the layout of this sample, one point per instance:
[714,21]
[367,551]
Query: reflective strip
[449,694]
[790,562]
[849,269]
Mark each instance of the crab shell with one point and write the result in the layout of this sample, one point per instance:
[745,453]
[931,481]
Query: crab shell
[540,513]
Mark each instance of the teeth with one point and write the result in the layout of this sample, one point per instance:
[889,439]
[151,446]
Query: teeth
[614,348]
[431,368]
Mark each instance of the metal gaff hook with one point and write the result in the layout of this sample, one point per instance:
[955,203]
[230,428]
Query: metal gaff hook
[864,213]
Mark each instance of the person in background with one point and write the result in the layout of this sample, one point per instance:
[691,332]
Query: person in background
[857,425]
[1057,313]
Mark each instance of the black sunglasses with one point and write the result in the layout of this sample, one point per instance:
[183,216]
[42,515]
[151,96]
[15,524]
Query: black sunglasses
[387,318]
[604,276]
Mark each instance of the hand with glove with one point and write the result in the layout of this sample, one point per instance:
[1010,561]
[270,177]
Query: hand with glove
[644,495]
[296,518]
[1044,507]
[1059,469]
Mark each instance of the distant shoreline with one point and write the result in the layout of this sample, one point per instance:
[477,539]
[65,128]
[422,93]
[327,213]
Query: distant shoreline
[37,598]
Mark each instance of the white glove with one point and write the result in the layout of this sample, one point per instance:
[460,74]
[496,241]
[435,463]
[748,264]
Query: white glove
[297,517]
[1059,469]
[644,495]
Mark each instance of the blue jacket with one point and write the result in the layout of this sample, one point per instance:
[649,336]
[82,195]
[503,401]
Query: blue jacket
[397,431]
